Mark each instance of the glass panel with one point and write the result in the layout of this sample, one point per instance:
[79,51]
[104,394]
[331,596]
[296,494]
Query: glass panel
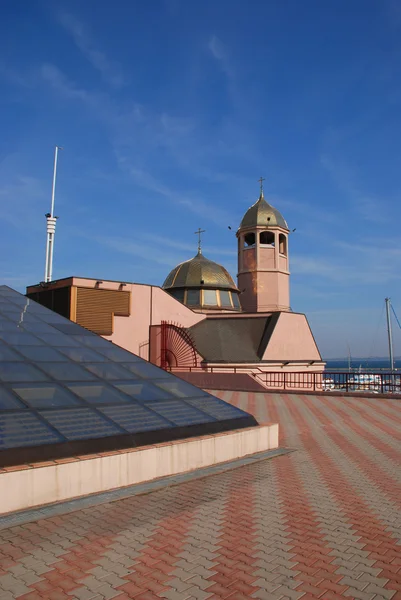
[71,329]
[20,371]
[117,354]
[6,291]
[98,393]
[39,327]
[216,408]
[58,339]
[135,418]
[7,354]
[8,401]
[235,300]
[41,353]
[144,369]
[108,370]
[225,299]
[20,319]
[177,294]
[142,390]
[67,371]
[210,297]
[193,297]
[179,413]
[51,317]
[179,388]
[9,307]
[80,423]
[24,429]
[6,325]
[45,395]
[20,338]
[93,341]
[83,354]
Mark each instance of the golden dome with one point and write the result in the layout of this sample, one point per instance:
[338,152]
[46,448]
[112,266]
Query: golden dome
[263,214]
[199,272]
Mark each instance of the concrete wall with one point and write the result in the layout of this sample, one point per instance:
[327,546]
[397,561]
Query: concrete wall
[54,481]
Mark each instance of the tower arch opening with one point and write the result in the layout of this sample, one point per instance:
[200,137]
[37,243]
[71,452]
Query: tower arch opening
[249,239]
[282,242]
[267,238]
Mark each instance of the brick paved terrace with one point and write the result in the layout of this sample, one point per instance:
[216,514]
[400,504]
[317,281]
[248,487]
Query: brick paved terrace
[321,522]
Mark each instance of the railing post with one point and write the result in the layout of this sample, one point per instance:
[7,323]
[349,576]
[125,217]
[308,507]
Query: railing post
[346,382]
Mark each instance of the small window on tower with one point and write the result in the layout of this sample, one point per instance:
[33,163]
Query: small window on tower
[266,238]
[249,239]
[282,244]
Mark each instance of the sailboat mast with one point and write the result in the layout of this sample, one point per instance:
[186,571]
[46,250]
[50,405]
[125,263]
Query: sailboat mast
[390,334]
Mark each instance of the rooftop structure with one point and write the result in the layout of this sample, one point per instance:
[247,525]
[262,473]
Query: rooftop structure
[201,318]
[202,284]
[66,391]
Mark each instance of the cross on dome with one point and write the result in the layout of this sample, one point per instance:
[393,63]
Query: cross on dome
[199,234]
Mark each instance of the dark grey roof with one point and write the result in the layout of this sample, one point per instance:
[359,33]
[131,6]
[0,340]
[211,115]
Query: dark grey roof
[233,340]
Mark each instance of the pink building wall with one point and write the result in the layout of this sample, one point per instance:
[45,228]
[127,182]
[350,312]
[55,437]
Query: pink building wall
[292,340]
[263,271]
[149,306]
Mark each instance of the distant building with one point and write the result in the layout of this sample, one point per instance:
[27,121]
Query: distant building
[199,318]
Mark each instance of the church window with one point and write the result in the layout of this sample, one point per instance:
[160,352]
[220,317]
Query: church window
[235,300]
[266,238]
[209,298]
[225,300]
[193,297]
[178,294]
[282,244]
[249,239]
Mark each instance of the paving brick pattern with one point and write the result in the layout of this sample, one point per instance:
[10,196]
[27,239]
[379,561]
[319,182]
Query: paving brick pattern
[321,522]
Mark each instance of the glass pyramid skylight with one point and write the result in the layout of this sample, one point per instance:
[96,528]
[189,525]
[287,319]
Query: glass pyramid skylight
[67,391]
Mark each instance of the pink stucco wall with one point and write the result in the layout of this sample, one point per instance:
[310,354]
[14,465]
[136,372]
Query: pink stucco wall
[149,306]
[292,340]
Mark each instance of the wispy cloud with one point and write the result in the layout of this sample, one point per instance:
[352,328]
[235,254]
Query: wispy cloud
[220,53]
[61,84]
[369,207]
[186,247]
[187,199]
[144,252]
[110,71]
[357,264]
[21,200]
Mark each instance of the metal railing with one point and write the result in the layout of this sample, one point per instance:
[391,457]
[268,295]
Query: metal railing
[372,383]
[328,381]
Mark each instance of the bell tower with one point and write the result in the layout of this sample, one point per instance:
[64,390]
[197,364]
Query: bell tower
[263,267]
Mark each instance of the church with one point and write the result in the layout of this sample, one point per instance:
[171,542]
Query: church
[200,319]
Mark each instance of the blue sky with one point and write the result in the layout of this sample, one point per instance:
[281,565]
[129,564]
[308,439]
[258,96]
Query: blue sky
[169,111]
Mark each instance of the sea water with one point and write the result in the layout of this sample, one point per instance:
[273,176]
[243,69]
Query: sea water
[365,364]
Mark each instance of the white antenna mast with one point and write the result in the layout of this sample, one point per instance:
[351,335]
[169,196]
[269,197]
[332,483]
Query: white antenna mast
[51,225]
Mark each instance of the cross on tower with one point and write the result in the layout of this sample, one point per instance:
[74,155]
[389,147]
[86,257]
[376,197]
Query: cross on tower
[199,234]
[261,180]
